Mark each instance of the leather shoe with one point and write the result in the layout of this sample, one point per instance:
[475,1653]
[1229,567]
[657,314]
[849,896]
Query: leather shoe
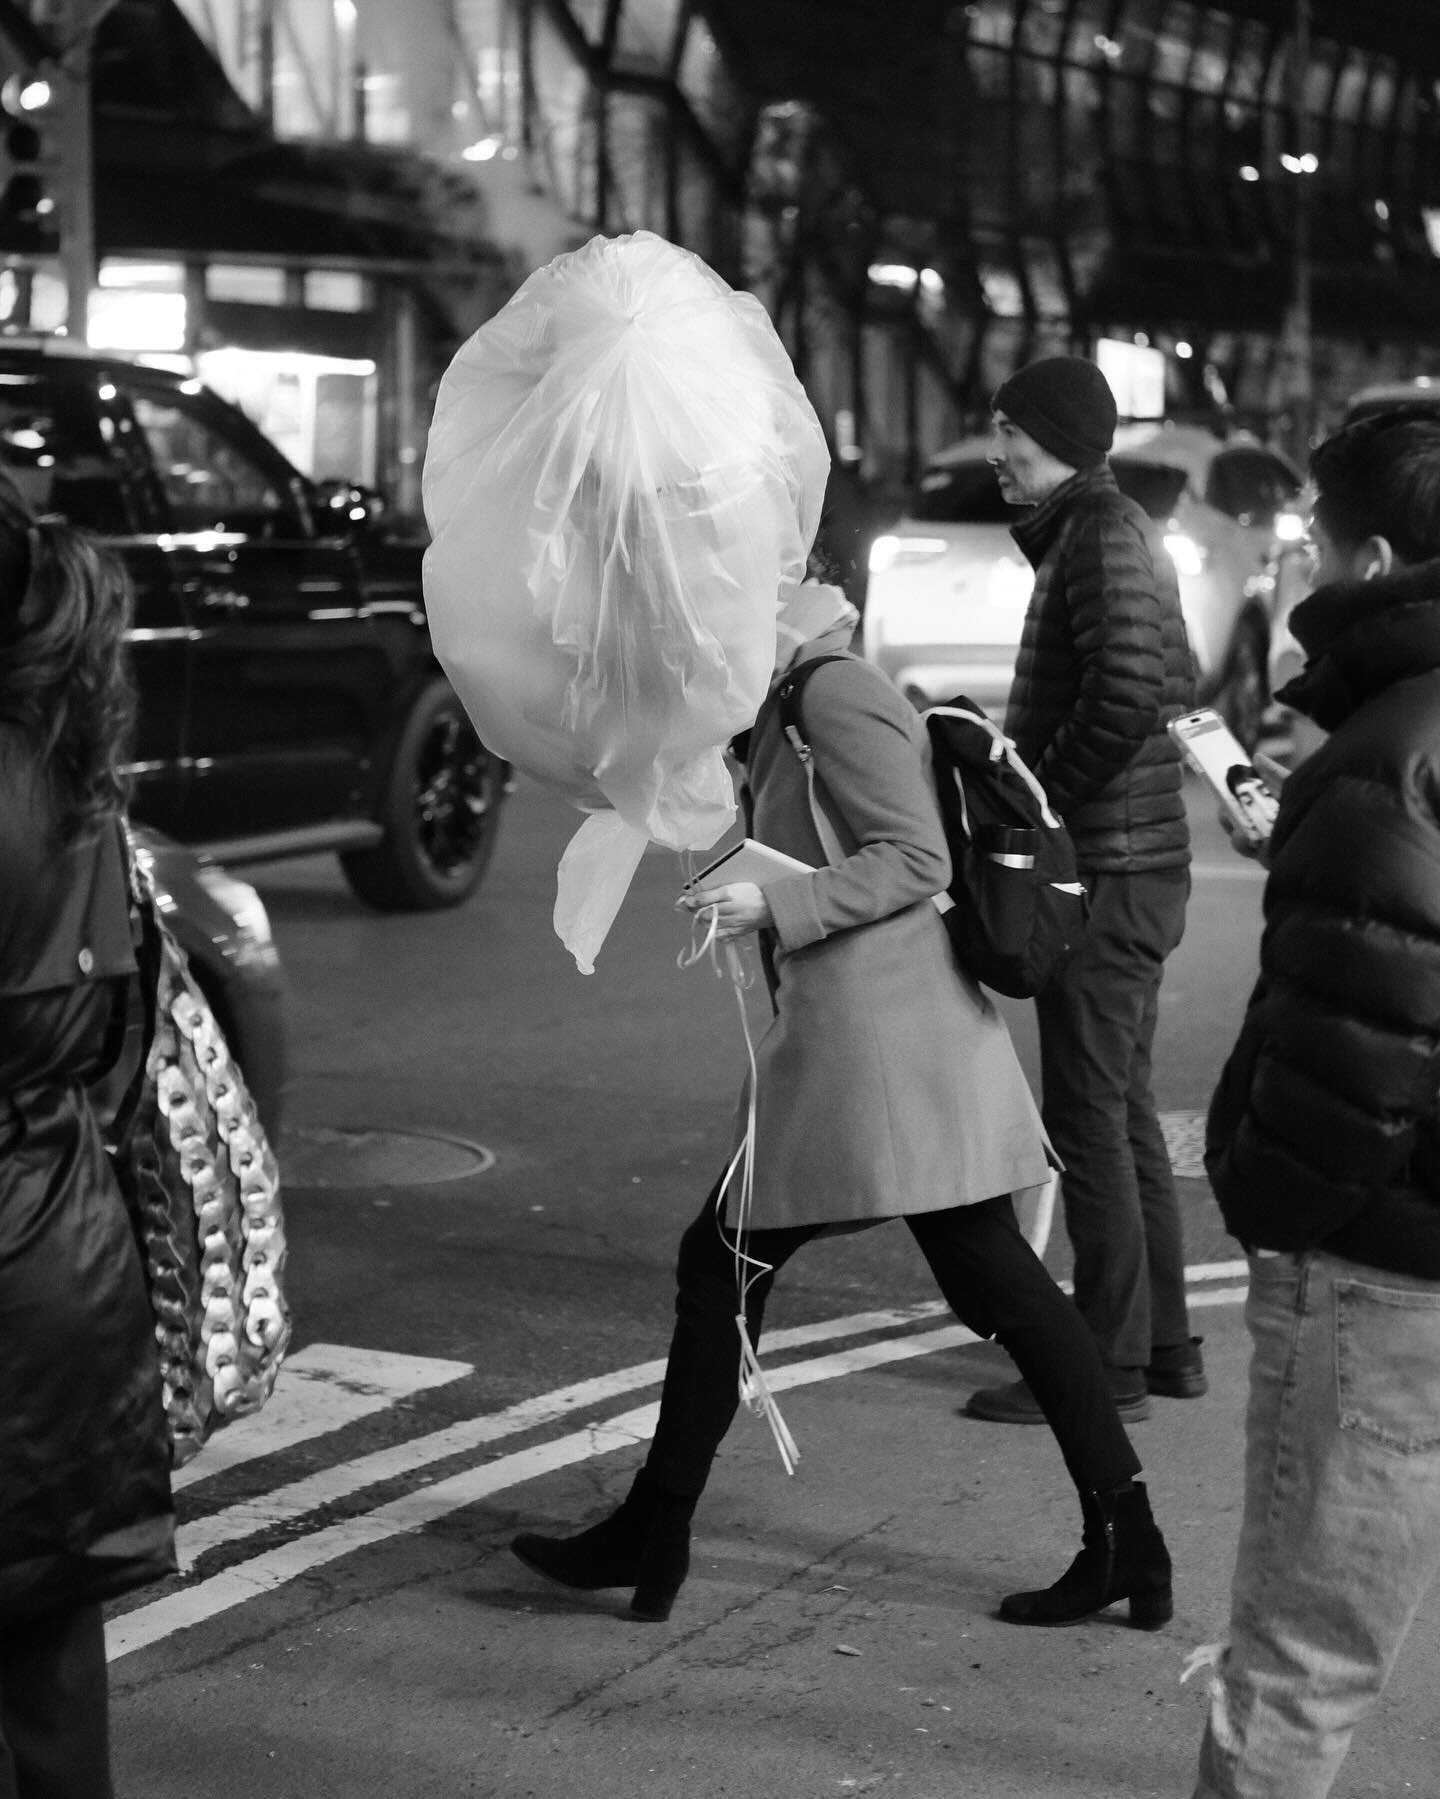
[1177,1371]
[1016,1404]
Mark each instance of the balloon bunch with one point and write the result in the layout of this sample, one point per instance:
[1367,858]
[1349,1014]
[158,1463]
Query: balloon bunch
[622,471]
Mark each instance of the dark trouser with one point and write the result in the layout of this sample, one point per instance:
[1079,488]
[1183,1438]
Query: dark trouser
[1097,1025]
[54,1708]
[989,1275]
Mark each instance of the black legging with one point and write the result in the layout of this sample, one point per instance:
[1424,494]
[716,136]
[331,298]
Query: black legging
[992,1280]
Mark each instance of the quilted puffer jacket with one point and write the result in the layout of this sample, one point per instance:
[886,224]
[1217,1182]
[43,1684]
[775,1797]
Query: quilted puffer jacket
[1104,665]
[1323,1131]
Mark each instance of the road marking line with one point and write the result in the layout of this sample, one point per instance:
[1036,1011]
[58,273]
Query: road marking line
[321,1388]
[412,1511]
[1219,1296]
[287,1504]
[283,1505]
[1224,871]
[1216,1271]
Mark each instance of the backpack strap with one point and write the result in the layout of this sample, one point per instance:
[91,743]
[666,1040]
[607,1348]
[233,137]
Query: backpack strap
[145,932]
[792,726]
[1001,748]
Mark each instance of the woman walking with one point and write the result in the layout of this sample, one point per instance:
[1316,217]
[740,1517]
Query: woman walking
[85,1509]
[887,1087]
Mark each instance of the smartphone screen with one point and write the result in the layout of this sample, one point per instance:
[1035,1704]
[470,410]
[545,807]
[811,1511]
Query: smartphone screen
[1216,753]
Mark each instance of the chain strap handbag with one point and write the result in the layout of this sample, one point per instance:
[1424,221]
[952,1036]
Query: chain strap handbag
[201,1182]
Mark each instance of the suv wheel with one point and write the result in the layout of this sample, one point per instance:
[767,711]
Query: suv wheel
[441,812]
[1244,692]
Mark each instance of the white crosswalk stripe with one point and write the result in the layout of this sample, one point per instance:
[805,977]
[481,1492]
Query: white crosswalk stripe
[326,1387]
[322,1387]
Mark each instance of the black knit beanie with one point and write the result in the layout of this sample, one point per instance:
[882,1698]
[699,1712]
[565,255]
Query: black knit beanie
[1065,404]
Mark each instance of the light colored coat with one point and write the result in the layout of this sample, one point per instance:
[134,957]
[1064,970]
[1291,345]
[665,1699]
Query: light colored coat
[887,1080]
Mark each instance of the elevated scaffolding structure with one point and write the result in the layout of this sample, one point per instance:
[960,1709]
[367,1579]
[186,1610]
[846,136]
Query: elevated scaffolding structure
[923,192]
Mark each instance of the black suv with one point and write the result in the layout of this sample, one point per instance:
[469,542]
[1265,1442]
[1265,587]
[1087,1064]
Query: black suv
[289,697]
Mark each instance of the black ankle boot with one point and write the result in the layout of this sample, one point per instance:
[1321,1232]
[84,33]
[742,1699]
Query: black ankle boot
[1124,1557]
[645,1542]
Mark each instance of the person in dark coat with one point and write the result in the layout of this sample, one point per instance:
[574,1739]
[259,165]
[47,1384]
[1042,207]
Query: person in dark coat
[887,1087]
[85,1506]
[1104,664]
[1323,1147]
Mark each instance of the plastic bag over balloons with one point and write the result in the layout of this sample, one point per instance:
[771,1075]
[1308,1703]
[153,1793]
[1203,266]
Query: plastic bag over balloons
[622,470]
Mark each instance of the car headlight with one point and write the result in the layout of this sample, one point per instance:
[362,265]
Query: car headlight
[1185,553]
[882,554]
[889,549]
[244,905]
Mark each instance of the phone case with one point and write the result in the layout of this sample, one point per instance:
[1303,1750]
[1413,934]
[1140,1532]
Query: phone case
[749,861]
[1217,755]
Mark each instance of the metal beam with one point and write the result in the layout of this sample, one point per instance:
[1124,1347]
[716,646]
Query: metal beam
[23,37]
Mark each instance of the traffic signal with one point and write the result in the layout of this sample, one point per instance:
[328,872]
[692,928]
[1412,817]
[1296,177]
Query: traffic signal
[29,217]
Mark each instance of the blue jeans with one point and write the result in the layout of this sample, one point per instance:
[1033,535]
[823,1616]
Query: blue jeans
[1341,1531]
[1097,1024]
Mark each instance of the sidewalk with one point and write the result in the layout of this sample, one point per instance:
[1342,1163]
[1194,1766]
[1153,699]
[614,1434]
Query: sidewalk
[835,1636]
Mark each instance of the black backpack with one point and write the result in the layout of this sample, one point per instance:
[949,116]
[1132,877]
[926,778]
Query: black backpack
[1018,902]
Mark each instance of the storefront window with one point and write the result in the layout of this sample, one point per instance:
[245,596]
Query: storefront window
[1174,41]
[1350,86]
[1210,64]
[247,282]
[336,290]
[1247,62]
[1042,26]
[491,33]
[990,72]
[1129,121]
[1136,31]
[991,22]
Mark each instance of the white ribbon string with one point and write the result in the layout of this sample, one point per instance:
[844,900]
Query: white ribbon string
[755,1394]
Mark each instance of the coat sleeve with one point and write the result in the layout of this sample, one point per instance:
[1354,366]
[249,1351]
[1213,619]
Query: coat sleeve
[871,771]
[1317,1122]
[1115,630]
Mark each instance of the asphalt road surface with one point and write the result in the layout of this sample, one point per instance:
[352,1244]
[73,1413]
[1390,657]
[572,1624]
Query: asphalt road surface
[488,1160]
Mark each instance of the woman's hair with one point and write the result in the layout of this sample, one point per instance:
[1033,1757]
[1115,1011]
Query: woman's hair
[65,683]
[1380,477]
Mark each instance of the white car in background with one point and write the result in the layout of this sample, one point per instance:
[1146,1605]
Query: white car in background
[948,587]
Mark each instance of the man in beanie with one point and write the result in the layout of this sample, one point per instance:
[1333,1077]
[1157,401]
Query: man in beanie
[1104,664]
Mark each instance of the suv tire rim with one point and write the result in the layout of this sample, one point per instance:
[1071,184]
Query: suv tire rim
[454,796]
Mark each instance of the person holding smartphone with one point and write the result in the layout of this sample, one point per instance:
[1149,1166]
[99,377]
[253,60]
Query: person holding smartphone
[886,1087]
[1323,1147]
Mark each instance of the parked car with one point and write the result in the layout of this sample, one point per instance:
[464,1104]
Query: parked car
[221,924]
[949,588]
[1423,390]
[290,700]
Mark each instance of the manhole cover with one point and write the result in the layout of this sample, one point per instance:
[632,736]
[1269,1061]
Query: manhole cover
[322,1157]
[1185,1140]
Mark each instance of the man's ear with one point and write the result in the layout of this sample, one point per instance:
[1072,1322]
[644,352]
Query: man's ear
[1376,558]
